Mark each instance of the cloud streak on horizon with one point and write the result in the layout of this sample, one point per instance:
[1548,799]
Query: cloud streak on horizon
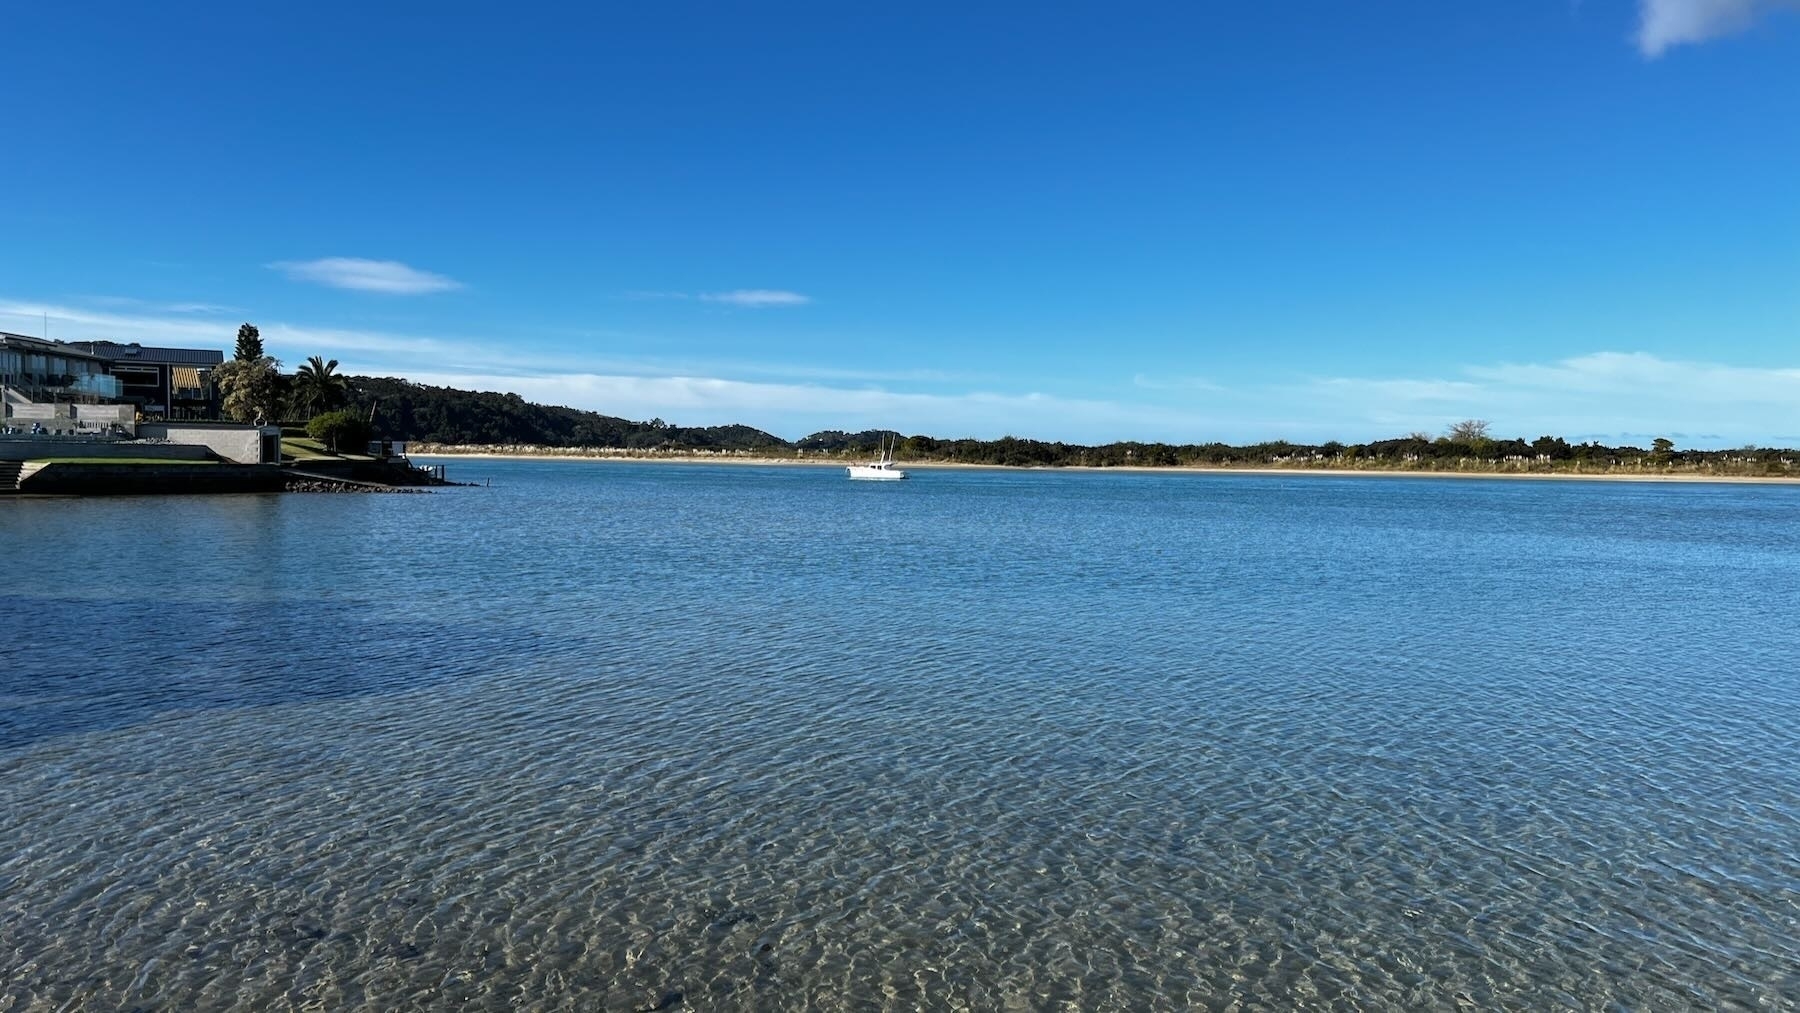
[1176,383]
[793,410]
[1602,393]
[745,298]
[756,298]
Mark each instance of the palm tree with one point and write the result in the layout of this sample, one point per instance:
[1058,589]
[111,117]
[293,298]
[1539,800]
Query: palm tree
[319,388]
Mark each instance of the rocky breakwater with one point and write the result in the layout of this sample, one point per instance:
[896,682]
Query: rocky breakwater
[298,484]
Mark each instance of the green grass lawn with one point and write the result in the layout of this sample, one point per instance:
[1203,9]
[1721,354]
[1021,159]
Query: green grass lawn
[303,448]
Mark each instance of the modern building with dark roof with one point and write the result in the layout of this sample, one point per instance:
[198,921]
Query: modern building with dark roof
[173,382]
[39,370]
[166,382]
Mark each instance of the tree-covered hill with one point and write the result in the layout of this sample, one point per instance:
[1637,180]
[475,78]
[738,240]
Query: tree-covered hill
[414,411]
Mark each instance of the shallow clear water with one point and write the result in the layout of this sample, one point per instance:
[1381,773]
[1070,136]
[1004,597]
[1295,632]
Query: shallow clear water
[624,736]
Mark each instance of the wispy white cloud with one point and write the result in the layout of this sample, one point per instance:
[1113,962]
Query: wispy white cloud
[288,342]
[793,410]
[76,323]
[383,352]
[1613,397]
[1663,24]
[1604,394]
[1635,373]
[387,276]
[130,302]
[1404,390]
[756,298]
[1175,383]
[745,298]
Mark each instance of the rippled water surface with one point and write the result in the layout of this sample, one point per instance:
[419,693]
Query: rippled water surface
[627,737]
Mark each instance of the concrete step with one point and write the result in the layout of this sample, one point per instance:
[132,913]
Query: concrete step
[9,475]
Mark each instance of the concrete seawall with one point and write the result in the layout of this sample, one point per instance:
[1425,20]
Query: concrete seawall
[99,479]
[238,443]
[18,448]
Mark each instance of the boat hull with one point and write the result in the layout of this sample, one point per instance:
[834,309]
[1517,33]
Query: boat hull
[875,473]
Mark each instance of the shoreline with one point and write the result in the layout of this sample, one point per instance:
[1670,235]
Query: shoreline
[1323,472]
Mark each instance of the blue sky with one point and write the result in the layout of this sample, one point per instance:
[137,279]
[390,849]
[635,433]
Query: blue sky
[1164,221]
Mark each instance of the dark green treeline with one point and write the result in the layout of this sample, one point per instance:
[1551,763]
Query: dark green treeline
[442,415]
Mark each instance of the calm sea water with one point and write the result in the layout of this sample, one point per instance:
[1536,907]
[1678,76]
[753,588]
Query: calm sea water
[627,737]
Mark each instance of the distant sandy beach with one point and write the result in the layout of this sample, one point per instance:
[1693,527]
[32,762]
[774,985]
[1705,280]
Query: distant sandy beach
[1561,476]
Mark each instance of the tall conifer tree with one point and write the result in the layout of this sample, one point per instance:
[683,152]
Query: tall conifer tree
[249,344]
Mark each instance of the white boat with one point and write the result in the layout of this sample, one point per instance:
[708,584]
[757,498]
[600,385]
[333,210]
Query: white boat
[882,468]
